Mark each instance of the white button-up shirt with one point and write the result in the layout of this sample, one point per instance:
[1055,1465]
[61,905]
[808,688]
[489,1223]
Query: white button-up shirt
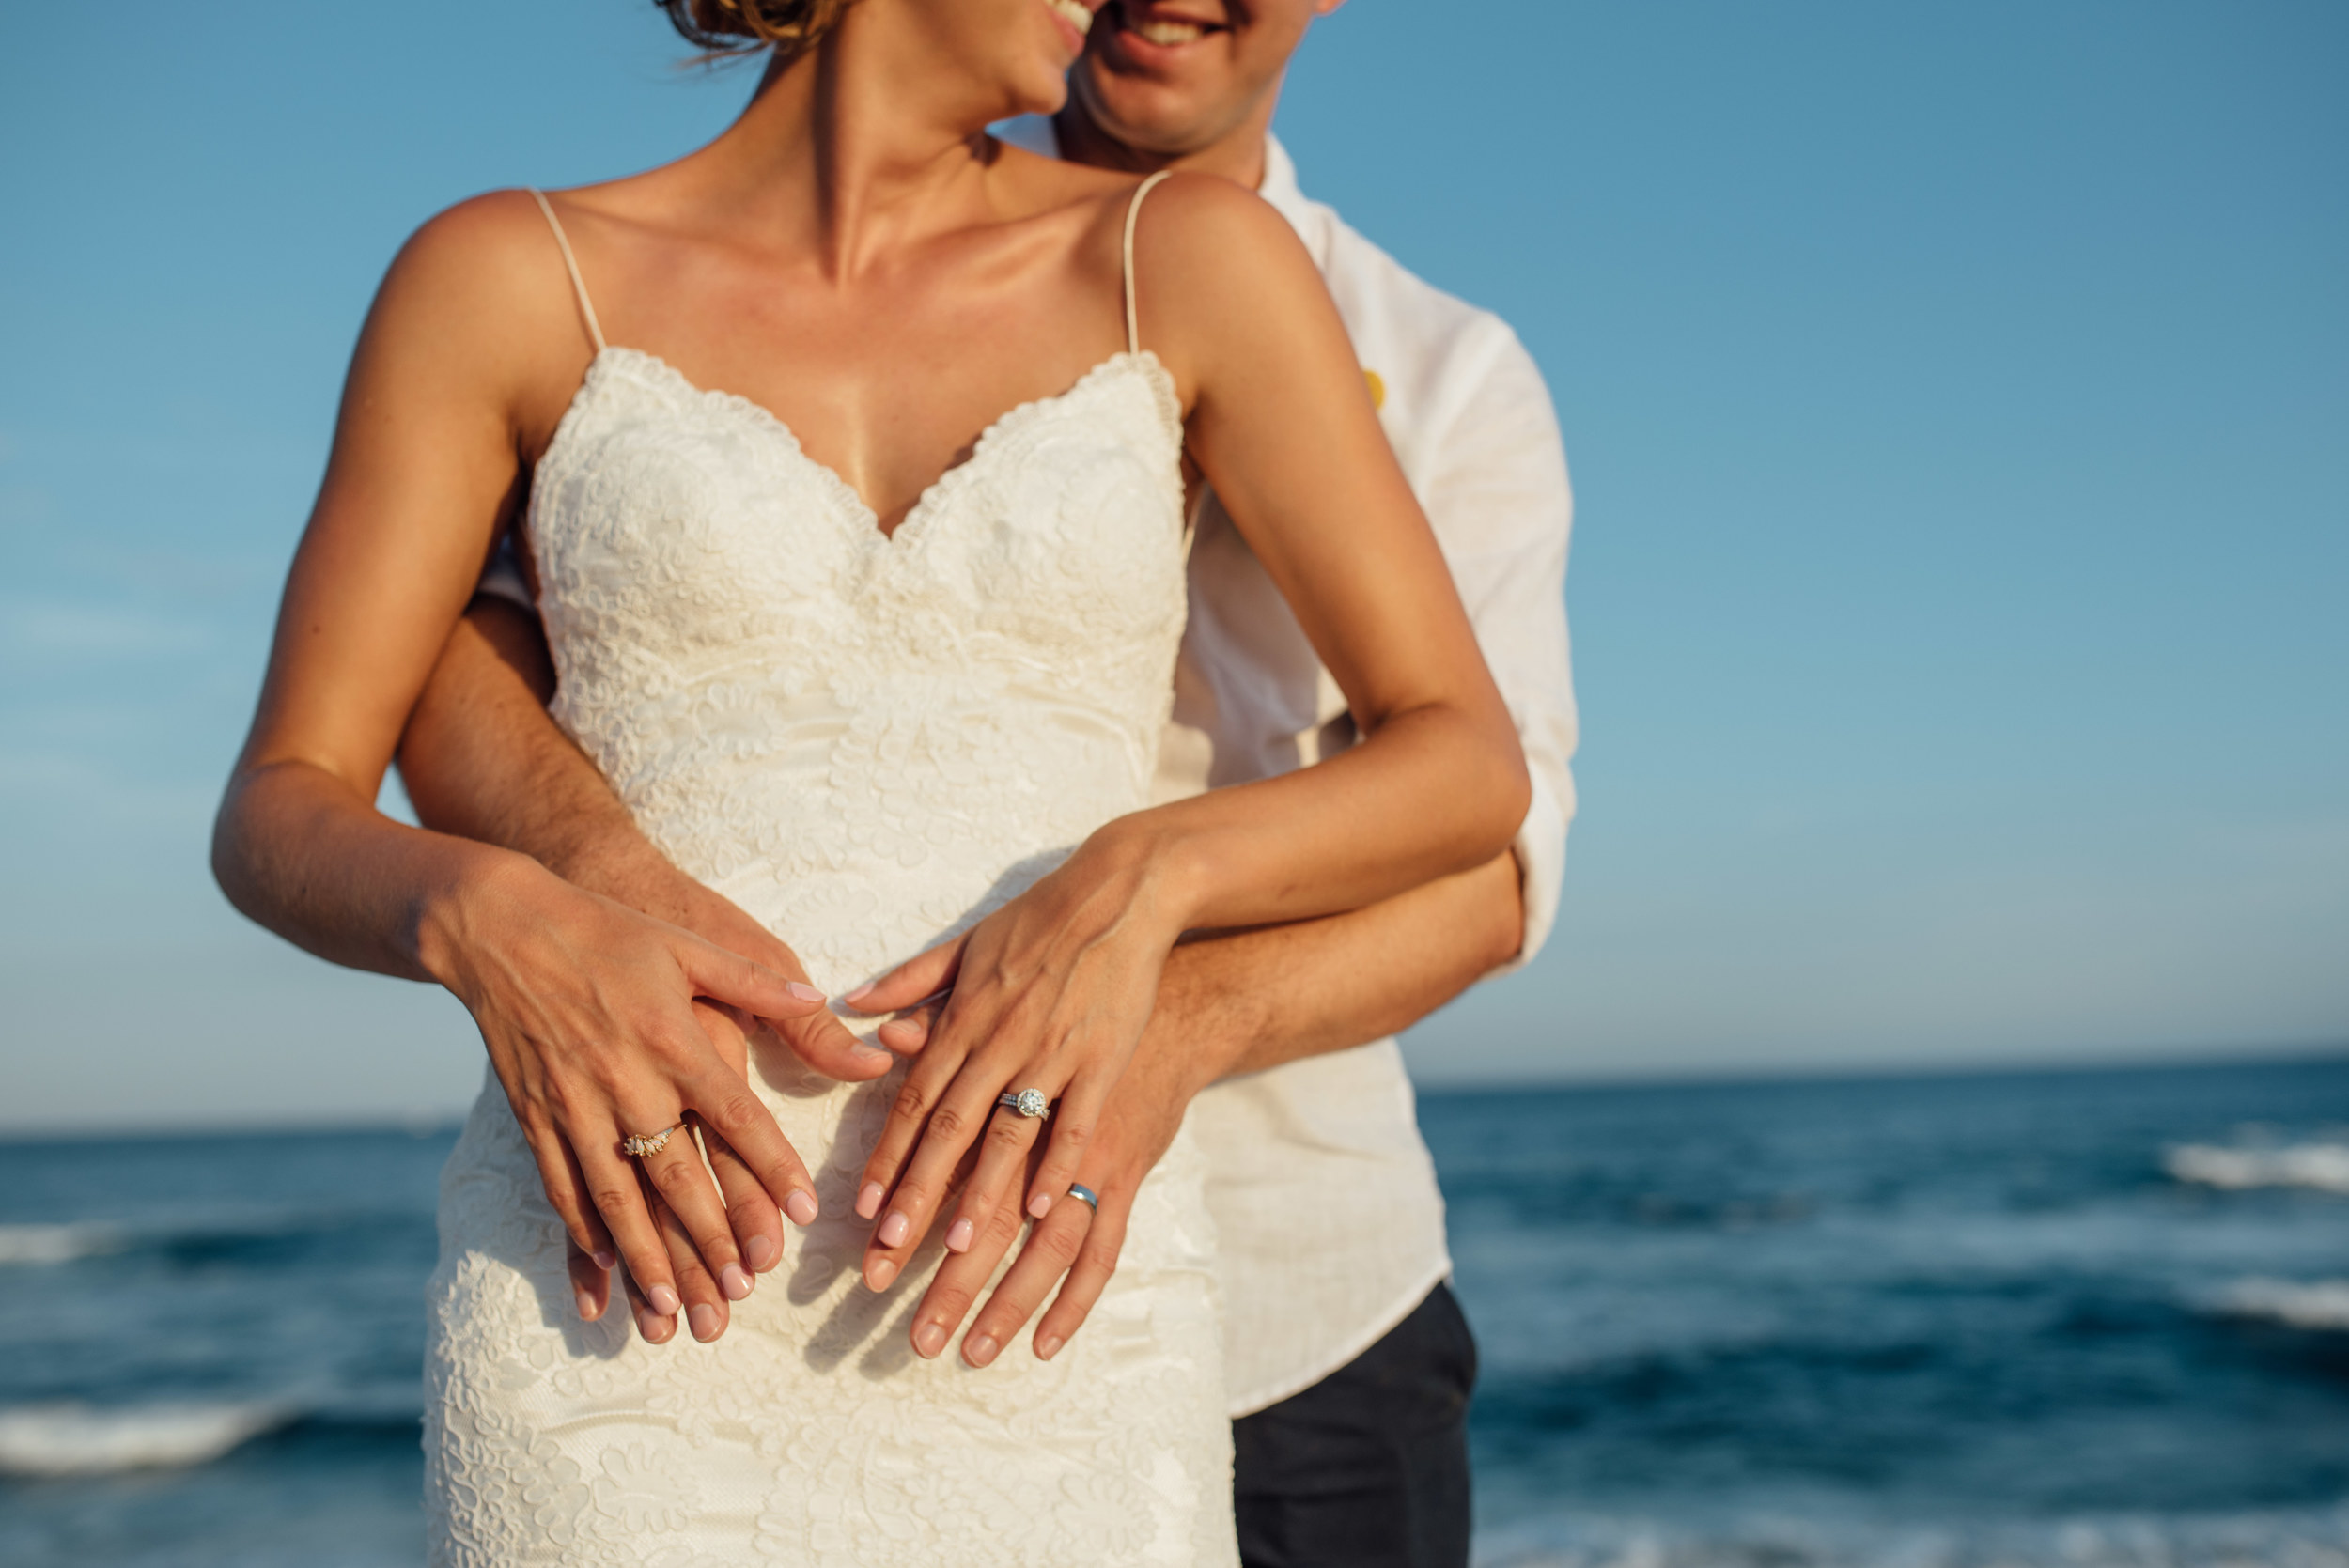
[1332,1224]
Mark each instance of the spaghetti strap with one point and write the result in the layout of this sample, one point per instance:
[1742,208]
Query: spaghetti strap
[1133,211]
[579,285]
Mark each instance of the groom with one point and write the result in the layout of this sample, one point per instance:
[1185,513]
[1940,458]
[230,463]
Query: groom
[1349,1364]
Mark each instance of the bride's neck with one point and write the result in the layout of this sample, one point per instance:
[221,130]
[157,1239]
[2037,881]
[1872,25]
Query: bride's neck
[854,148]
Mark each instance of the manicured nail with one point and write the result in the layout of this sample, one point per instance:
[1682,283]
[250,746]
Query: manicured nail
[894,1230]
[958,1237]
[804,991]
[868,1201]
[1047,1346]
[1038,1206]
[872,1052]
[703,1319]
[605,1260]
[654,1328]
[732,1281]
[904,1033]
[588,1311]
[800,1206]
[761,1249]
[879,1273]
[857,997]
[664,1301]
[928,1341]
[979,1349]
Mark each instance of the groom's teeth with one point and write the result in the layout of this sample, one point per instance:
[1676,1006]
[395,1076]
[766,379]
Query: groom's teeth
[1072,12]
[1157,30]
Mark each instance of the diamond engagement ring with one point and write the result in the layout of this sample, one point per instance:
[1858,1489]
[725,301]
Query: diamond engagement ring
[639,1145]
[1030,1103]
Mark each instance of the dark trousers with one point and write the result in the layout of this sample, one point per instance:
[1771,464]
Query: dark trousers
[1369,1467]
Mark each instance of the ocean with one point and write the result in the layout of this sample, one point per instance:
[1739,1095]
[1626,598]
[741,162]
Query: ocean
[2068,1319]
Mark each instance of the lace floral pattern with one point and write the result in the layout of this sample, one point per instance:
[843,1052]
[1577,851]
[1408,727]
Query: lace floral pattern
[868,742]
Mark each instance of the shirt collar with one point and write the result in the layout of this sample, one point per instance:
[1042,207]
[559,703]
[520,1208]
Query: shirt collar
[1280,185]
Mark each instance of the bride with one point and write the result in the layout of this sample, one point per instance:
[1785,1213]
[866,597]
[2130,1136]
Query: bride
[847,456]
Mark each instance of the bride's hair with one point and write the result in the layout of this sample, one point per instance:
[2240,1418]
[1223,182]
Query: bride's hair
[746,26]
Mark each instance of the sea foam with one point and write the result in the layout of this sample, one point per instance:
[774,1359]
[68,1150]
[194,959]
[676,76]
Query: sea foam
[2324,1166]
[80,1439]
[51,1244]
[2322,1304]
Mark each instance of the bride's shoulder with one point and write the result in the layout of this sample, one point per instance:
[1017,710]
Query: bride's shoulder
[1199,231]
[484,283]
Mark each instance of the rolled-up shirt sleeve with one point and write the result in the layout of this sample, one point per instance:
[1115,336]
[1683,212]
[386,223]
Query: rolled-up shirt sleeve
[1494,484]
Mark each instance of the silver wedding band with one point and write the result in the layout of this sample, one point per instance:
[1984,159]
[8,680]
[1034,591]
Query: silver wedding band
[1086,1196]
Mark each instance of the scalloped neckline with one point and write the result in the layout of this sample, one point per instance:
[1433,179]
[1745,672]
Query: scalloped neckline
[934,494]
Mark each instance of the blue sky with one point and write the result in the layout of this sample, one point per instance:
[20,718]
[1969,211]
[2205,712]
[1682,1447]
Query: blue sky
[1959,401]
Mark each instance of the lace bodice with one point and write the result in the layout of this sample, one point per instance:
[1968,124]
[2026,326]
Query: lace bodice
[864,739]
[867,742]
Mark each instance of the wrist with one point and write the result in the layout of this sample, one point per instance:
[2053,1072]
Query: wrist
[1155,873]
[451,920]
[1202,1025]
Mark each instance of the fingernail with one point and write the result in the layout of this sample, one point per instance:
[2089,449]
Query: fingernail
[761,1249]
[605,1260]
[979,1349]
[903,1032]
[655,1329]
[703,1319]
[736,1283]
[1038,1206]
[928,1339]
[664,1301]
[853,997]
[879,1273]
[892,1230]
[800,1206]
[588,1310]
[871,1052]
[1047,1346]
[958,1237]
[804,991]
[868,1201]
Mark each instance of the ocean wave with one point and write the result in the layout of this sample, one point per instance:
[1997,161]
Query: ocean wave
[2324,1166]
[50,1244]
[2324,1304]
[81,1439]
[2312,1538]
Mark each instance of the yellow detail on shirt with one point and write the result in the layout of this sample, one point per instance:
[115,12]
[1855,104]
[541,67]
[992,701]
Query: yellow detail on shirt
[1378,387]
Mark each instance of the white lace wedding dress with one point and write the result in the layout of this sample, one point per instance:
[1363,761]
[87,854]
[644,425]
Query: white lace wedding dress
[867,742]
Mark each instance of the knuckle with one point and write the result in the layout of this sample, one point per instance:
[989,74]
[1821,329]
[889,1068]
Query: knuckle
[676,1179]
[735,1112]
[1007,1134]
[912,1102]
[611,1198]
[948,1124]
[1060,1246]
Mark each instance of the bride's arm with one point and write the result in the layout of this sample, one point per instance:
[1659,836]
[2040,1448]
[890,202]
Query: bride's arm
[586,1007]
[1053,991]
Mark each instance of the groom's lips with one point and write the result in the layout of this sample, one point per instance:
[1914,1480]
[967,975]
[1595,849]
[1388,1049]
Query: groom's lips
[1153,33]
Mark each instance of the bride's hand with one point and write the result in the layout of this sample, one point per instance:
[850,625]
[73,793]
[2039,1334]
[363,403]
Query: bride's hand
[589,1013]
[1050,993]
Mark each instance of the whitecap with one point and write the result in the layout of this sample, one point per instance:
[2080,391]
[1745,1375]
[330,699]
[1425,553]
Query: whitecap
[80,1439]
[46,1244]
[2324,1166]
[2322,1304]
